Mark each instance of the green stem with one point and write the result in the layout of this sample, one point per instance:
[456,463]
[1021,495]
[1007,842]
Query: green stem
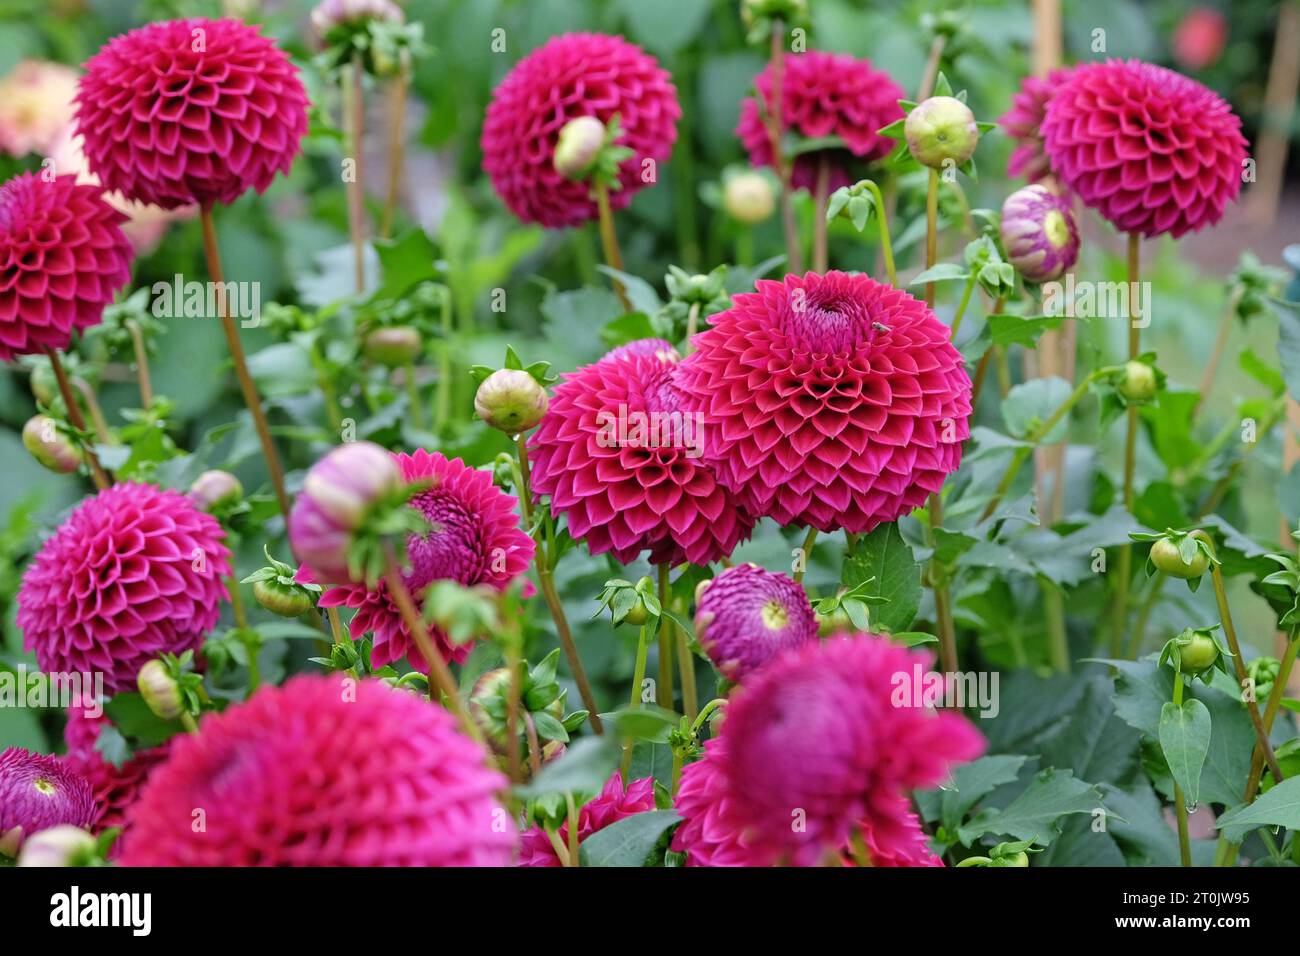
[638,678]
[692,322]
[609,241]
[442,396]
[961,306]
[1180,804]
[664,690]
[1144,615]
[882,219]
[413,395]
[809,541]
[1119,613]
[931,232]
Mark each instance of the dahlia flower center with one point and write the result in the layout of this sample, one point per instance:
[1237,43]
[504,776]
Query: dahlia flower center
[449,549]
[45,787]
[774,615]
[1055,228]
[832,326]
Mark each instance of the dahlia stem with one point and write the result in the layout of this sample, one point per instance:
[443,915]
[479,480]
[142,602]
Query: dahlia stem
[1216,354]
[241,622]
[188,722]
[92,406]
[664,690]
[575,859]
[78,420]
[882,220]
[336,625]
[1035,436]
[413,395]
[982,369]
[141,362]
[932,61]
[809,541]
[1058,644]
[1227,853]
[396,145]
[820,251]
[534,745]
[686,668]
[692,322]
[943,618]
[355,109]
[638,678]
[1180,804]
[1238,665]
[550,595]
[512,713]
[1004,370]
[1125,570]
[442,395]
[251,399]
[440,677]
[794,257]
[961,306]
[1144,615]
[609,241]
[931,232]
[558,846]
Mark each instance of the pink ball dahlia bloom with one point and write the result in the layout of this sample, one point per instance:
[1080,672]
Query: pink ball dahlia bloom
[824,94]
[619,454]
[1023,124]
[63,256]
[324,771]
[832,401]
[35,105]
[613,803]
[713,829]
[191,112]
[575,75]
[115,789]
[38,792]
[134,572]
[1151,150]
[747,615]
[475,539]
[818,733]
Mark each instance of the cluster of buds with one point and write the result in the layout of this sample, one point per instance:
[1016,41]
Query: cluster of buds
[512,399]
[372,31]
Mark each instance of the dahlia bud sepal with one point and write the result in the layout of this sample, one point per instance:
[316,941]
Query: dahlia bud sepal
[629,603]
[1179,554]
[1005,855]
[276,588]
[1197,652]
[851,605]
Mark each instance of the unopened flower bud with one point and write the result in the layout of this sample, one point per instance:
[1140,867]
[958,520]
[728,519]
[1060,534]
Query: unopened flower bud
[49,447]
[511,400]
[160,691]
[63,845]
[748,197]
[1139,382]
[580,142]
[215,489]
[394,346]
[941,129]
[1039,233]
[282,599]
[335,13]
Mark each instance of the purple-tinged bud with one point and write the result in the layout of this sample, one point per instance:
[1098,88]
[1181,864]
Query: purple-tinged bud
[216,489]
[336,494]
[748,615]
[941,129]
[48,446]
[511,400]
[748,197]
[580,142]
[394,347]
[161,692]
[1039,233]
[64,845]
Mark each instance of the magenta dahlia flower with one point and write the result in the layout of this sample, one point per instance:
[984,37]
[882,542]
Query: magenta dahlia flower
[613,803]
[619,454]
[1039,233]
[474,538]
[324,771]
[1151,150]
[191,112]
[824,94]
[819,733]
[747,615]
[575,75]
[135,572]
[63,257]
[1023,124]
[832,401]
[38,792]
[713,830]
[114,789]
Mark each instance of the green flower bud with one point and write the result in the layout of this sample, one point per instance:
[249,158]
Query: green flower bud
[161,692]
[50,447]
[1166,557]
[511,400]
[580,143]
[63,845]
[1139,382]
[941,129]
[394,346]
[749,197]
[282,599]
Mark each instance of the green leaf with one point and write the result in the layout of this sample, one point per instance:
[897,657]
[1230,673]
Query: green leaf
[973,781]
[943,272]
[1030,404]
[628,842]
[885,556]
[1185,740]
[1288,342]
[404,262]
[1036,812]
[584,768]
[648,723]
[1280,807]
[1020,330]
